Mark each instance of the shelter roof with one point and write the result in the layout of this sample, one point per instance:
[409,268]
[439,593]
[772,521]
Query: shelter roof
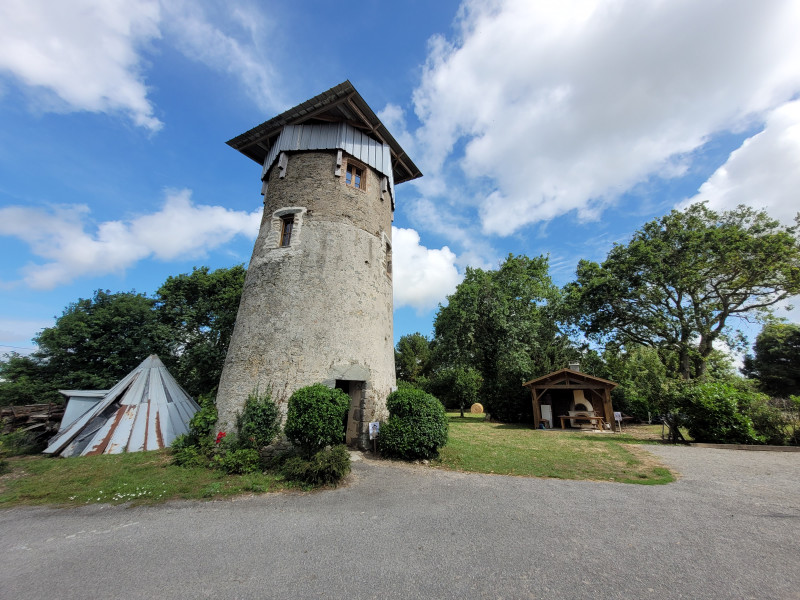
[568,379]
[341,103]
[145,410]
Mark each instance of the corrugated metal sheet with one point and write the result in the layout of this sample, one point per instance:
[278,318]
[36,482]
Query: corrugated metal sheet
[145,410]
[78,402]
[334,136]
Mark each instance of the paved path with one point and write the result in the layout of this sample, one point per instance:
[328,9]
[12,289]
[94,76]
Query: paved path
[730,528]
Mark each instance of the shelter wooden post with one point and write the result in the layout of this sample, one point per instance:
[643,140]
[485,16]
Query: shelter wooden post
[537,411]
[607,408]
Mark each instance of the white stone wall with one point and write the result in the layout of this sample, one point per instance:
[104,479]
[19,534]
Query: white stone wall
[321,309]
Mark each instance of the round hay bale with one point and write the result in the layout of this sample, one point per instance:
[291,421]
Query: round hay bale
[476,408]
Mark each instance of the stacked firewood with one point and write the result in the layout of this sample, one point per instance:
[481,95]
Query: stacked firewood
[31,417]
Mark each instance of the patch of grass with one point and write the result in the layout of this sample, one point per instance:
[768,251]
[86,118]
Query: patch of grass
[137,477]
[483,447]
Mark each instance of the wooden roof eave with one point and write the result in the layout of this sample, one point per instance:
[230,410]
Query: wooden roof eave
[559,379]
[340,103]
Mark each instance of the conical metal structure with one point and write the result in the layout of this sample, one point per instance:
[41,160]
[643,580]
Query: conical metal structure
[145,410]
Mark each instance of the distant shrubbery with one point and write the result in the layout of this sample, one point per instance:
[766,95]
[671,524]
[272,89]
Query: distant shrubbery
[734,413]
[416,428]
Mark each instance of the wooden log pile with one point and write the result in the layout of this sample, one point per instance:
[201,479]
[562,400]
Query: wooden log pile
[31,417]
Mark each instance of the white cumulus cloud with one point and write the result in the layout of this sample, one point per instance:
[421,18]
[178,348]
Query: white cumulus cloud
[563,106]
[86,53]
[70,248]
[423,277]
[764,172]
[90,55]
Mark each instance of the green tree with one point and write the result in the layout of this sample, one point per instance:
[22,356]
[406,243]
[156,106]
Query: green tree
[642,380]
[503,324]
[682,277]
[98,340]
[456,387]
[412,357]
[24,380]
[776,363]
[199,309]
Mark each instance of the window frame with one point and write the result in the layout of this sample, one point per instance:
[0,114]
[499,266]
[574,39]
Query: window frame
[287,227]
[362,177]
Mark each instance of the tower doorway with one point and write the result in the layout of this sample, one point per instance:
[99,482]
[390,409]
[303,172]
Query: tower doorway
[353,424]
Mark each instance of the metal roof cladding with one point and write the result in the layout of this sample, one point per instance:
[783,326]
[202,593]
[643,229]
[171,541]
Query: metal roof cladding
[341,103]
[145,410]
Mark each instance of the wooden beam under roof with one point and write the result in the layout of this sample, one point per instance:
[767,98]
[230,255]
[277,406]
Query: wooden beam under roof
[341,99]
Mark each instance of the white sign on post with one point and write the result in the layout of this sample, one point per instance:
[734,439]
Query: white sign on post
[373,430]
[617,416]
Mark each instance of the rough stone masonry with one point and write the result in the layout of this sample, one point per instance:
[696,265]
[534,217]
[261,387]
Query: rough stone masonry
[317,303]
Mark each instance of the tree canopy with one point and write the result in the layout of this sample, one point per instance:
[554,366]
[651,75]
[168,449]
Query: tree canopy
[678,282]
[98,340]
[503,324]
[199,309]
[412,357]
[776,362]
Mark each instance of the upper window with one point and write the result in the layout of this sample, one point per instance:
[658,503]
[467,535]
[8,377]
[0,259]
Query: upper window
[355,176]
[287,224]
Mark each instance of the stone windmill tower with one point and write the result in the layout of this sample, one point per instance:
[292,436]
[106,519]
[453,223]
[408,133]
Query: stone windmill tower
[317,299]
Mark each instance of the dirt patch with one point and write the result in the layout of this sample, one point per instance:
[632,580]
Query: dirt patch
[649,461]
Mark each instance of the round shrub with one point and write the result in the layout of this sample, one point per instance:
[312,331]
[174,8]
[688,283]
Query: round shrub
[259,422]
[416,428]
[315,417]
[325,467]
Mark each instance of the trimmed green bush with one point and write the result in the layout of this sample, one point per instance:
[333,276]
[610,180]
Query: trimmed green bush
[325,467]
[416,428]
[259,422]
[714,413]
[315,417]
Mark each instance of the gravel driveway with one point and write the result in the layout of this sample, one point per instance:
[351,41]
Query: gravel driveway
[729,528]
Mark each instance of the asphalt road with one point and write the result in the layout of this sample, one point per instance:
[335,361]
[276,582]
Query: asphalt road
[729,528]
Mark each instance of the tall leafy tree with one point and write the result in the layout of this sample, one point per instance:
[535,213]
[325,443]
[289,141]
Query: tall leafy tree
[776,362]
[412,357]
[199,309]
[24,380]
[681,279]
[98,340]
[503,324]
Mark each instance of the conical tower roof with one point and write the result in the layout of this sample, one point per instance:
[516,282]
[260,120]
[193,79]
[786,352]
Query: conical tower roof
[145,410]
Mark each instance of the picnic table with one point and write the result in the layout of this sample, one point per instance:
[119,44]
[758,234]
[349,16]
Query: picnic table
[598,421]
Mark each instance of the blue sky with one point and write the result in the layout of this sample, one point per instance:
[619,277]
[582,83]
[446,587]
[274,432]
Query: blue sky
[540,127]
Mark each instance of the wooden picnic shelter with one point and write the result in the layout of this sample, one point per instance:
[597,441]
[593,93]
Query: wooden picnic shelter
[569,391]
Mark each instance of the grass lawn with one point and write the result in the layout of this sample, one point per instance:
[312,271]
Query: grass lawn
[137,477]
[475,445]
[480,446]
